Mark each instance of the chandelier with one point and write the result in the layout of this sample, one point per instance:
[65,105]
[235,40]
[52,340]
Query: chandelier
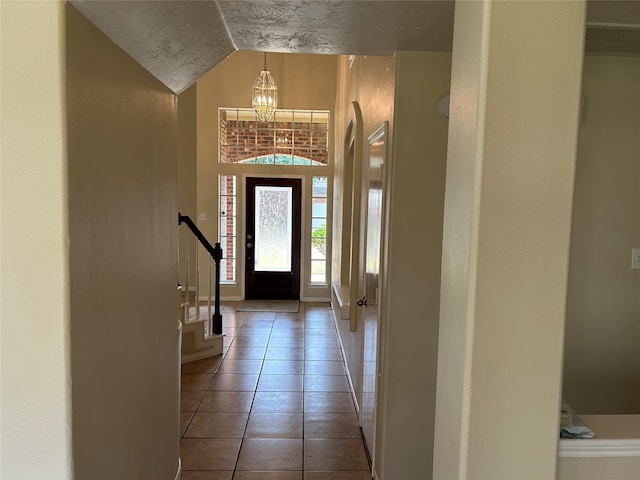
[265,94]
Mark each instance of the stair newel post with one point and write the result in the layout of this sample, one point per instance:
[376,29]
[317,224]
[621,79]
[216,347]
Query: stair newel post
[217,316]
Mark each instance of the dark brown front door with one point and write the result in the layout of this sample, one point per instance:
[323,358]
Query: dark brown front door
[272,243]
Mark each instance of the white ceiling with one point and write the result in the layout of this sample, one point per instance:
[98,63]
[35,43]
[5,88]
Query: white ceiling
[178,41]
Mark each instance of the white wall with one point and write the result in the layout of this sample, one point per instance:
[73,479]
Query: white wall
[122,146]
[602,358]
[36,391]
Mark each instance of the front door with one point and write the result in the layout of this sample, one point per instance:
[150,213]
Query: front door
[272,243]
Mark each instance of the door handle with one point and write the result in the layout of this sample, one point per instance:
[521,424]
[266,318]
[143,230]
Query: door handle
[249,245]
[362,302]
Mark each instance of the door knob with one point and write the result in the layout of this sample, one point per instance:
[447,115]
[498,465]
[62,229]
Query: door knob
[249,245]
[362,302]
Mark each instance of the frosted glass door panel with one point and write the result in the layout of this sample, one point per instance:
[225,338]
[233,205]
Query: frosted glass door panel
[273,226]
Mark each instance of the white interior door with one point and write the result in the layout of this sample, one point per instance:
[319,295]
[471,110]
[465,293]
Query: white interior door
[370,301]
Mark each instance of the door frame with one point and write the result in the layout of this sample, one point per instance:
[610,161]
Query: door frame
[243,226]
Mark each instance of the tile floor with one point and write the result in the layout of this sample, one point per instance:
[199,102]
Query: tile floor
[275,406]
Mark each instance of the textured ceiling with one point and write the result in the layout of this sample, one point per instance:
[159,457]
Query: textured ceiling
[178,41]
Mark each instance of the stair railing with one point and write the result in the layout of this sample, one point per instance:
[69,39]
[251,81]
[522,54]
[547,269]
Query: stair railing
[215,320]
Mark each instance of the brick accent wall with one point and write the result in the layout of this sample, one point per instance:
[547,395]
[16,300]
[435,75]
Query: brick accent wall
[245,139]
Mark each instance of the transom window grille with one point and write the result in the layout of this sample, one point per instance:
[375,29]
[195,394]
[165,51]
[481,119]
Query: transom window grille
[319,230]
[228,221]
[292,137]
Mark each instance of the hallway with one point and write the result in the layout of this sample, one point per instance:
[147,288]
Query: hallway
[275,406]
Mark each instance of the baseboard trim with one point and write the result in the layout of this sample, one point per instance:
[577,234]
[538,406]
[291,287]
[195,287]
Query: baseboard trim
[346,367]
[232,299]
[179,472]
[599,447]
[315,299]
[205,299]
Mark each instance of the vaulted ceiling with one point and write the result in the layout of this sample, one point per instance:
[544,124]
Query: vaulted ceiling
[178,41]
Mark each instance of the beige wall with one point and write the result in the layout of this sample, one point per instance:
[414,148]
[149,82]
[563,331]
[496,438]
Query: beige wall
[304,82]
[370,82]
[405,92]
[411,307]
[515,87]
[122,146]
[602,354]
[34,315]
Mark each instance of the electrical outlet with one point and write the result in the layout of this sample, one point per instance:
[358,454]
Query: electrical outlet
[635,259]
[202,217]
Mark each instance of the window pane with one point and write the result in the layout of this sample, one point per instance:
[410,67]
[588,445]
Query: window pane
[227,270]
[273,227]
[319,186]
[319,208]
[301,133]
[318,272]
[227,232]
[228,245]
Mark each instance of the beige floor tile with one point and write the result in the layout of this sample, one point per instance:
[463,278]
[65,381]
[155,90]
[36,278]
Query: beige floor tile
[254,329]
[206,475]
[258,319]
[293,316]
[283,402]
[246,353]
[325,383]
[286,342]
[274,425]
[286,331]
[361,475]
[226,402]
[319,328]
[323,367]
[283,367]
[209,453]
[267,476]
[251,341]
[206,365]
[196,381]
[280,383]
[330,402]
[229,331]
[334,455]
[190,399]
[185,418]
[236,382]
[331,425]
[320,353]
[285,353]
[236,365]
[217,425]
[266,355]
[329,341]
[270,454]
